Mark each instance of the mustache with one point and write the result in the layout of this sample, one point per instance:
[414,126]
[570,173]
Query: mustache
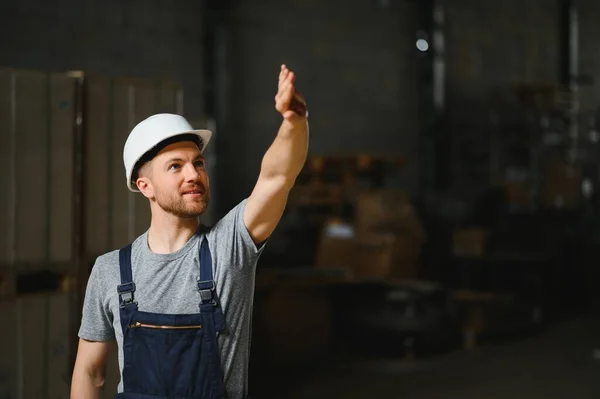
[195,187]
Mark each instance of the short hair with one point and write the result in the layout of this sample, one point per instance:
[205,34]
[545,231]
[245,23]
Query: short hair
[150,154]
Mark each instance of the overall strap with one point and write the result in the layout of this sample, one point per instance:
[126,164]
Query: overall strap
[209,301]
[206,283]
[127,286]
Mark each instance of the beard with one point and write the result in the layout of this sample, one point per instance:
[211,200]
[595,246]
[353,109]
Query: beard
[180,206]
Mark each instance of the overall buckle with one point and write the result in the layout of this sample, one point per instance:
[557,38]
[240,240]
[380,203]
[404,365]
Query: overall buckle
[206,289]
[126,293]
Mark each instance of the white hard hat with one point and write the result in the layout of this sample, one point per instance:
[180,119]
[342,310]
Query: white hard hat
[152,131]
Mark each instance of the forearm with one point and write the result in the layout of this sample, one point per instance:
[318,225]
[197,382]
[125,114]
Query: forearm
[281,164]
[287,154]
[86,385]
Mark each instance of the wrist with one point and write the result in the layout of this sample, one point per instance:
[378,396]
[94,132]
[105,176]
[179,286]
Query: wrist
[292,126]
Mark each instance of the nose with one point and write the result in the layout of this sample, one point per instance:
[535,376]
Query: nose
[190,172]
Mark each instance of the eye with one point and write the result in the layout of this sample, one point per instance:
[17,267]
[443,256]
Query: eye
[200,163]
[174,166]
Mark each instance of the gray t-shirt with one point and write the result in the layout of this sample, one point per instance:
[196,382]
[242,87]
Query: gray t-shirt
[166,283]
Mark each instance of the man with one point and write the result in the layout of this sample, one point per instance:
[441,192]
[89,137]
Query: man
[178,300]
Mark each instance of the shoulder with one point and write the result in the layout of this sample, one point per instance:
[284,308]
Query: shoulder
[231,239]
[107,260]
[106,266]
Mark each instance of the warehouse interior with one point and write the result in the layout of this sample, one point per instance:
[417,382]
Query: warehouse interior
[442,240]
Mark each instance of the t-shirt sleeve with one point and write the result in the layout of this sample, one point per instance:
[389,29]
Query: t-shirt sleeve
[96,320]
[231,237]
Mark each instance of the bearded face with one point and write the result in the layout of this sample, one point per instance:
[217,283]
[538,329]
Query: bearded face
[191,201]
[176,180]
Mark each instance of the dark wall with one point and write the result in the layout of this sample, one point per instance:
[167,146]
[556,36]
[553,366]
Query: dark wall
[355,66]
[491,45]
[589,11]
[135,38]
[491,49]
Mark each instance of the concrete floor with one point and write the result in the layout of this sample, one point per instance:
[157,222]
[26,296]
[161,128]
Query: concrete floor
[555,363]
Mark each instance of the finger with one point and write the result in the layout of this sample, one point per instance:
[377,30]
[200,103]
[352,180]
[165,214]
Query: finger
[283,100]
[285,85]
[282,90]
[280,96]
[283,75]
[282,104]
[291,77]
[286,94]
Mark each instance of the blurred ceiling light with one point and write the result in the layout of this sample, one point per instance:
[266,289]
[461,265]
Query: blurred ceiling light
[422,45]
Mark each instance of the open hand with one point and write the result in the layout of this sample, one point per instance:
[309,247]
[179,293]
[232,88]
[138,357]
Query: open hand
[288,102]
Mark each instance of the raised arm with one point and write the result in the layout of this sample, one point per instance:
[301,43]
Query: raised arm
[281,164]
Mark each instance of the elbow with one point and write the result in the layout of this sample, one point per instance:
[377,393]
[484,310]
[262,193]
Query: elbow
[92,376]
[97,376]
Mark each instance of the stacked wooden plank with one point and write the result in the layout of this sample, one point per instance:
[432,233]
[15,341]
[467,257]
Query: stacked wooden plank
[64,202]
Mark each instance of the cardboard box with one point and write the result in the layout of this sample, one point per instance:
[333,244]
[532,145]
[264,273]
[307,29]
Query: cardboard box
[386,255]
[336,246]
[388,211]
[368,254]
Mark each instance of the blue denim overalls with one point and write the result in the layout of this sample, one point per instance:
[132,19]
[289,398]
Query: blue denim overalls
[171,355]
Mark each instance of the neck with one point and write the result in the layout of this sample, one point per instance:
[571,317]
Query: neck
[169,233]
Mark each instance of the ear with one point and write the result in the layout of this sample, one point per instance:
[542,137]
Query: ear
[145,186]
